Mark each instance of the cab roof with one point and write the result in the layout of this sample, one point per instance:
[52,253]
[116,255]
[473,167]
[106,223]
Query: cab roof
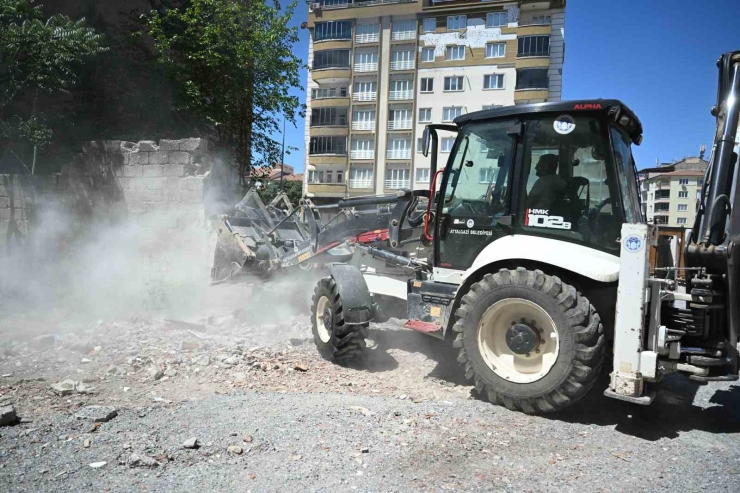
[588,105]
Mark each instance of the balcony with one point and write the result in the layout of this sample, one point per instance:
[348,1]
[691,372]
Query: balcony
[397,184]
[361,183]
[364,96]
[346,4]
[402,65]
[367,38]
[363,125]
[399,125]
[366,67]
[362,154]
[401,95]
[398,154]
[403,35]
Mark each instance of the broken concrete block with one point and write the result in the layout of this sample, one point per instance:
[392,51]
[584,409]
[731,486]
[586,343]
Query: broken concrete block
[136,460]
[97,414]
[155,373]
[65,387]
[191,443]
[148,146]
[8,416]
[194,144]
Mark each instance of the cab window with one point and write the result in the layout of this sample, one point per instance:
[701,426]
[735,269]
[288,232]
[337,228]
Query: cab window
[569,190]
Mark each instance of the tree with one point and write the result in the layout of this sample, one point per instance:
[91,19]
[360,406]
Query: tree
[293,189]
[37,56]
[234,66]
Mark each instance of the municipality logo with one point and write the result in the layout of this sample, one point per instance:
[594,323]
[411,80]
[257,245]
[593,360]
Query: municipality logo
[633,243]
[470,223]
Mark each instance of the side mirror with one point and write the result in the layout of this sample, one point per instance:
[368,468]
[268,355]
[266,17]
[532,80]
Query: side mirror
[426,140]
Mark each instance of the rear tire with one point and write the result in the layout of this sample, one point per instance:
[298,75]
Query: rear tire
[566,341]
[335,340]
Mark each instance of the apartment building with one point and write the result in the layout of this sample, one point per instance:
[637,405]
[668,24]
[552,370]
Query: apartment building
[671,191]
[380,70]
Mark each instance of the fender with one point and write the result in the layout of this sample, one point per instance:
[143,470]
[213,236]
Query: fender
[356,300]
[588,262]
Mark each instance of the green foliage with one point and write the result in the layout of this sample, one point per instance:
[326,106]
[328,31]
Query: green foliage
[294,190]
[234,66]
[37,55]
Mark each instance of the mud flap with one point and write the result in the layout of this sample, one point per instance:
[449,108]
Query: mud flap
[356,300]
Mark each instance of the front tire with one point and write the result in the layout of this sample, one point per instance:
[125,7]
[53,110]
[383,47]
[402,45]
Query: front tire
[335,340]
[529,341]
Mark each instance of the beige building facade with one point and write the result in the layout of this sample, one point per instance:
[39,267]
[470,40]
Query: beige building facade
[670,197]
[380,70]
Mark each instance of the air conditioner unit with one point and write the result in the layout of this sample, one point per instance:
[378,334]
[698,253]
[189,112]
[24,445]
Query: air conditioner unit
[315,7]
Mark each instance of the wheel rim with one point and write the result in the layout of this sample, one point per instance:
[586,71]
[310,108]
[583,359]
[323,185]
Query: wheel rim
[324,319]
[520,319]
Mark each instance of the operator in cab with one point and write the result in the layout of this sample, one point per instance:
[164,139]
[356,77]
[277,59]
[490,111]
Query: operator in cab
[548,185]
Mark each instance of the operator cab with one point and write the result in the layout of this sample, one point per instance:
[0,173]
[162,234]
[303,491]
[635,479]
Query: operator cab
[558,170]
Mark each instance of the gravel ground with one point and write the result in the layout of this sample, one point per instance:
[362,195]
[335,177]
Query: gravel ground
[404,421]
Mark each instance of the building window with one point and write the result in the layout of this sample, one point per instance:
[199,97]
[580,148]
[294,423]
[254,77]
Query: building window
[328,177]
[457,22]
[422,175]
[399,149]
[699,182]
[328,92]
[427,54]
[425,115]
[328,145]
[683,207]
[493,81]
[367,33]
[401,89]
[683,194]
[455,83]
[402,60]
[698,195]
[363,119]
[486,175]
[496,19]
[340,176]
[365,91]
[495,50]
[362,149]
[332,30]
[662,194]
[399,119]
[683,181]
[396,178]
[366,61]
[447,143]
[533,46]
[427,84]
[430,25]
[329,117]
[455,53]
[662,207]
[361,178]
[331,59]
[681,220]
[403,30]
[541,20]
[534,78]
[450,113]
[420,145]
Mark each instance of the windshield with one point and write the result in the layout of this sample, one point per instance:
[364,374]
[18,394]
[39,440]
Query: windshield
[626,172]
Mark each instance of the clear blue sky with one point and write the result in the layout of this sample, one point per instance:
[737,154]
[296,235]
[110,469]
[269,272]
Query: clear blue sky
[657,56]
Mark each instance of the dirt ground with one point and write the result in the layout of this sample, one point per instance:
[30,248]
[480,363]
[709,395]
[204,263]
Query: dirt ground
[247,375]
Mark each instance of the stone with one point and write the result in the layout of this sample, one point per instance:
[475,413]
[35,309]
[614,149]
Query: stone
[296,342]
[204,360]
[248,438]
[136,460]
[191,443]
[86,443]
[232,360]
[148,146]
[300,367]
[194,144]
[155,373]
[98,465]
[179,157]
[97,414]
[169,145]
[43,342]
[116,370]
[235,450]
[170,372]
[65,387]
[8,416]
[240,377]
[190,346]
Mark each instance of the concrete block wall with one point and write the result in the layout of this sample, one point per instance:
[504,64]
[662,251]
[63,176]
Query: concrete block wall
[159,185]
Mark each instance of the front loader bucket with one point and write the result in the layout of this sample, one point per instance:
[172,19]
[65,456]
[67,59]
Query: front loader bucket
[232,253]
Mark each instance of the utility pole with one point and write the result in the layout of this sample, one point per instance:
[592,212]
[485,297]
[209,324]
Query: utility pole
[282,159]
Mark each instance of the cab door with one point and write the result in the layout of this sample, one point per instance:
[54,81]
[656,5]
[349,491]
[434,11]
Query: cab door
[475,193]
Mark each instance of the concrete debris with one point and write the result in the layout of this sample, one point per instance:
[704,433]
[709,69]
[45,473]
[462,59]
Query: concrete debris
[170,372]
[190,346]
[363,410]
[116,370]
[43,342]
[204,360]
[191,443]
[98,465]
[97,414]
[155,373]
[248,438]
[136,460]
[300,367]
[65,387]
[86,443]
[235,450]
[8,416]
